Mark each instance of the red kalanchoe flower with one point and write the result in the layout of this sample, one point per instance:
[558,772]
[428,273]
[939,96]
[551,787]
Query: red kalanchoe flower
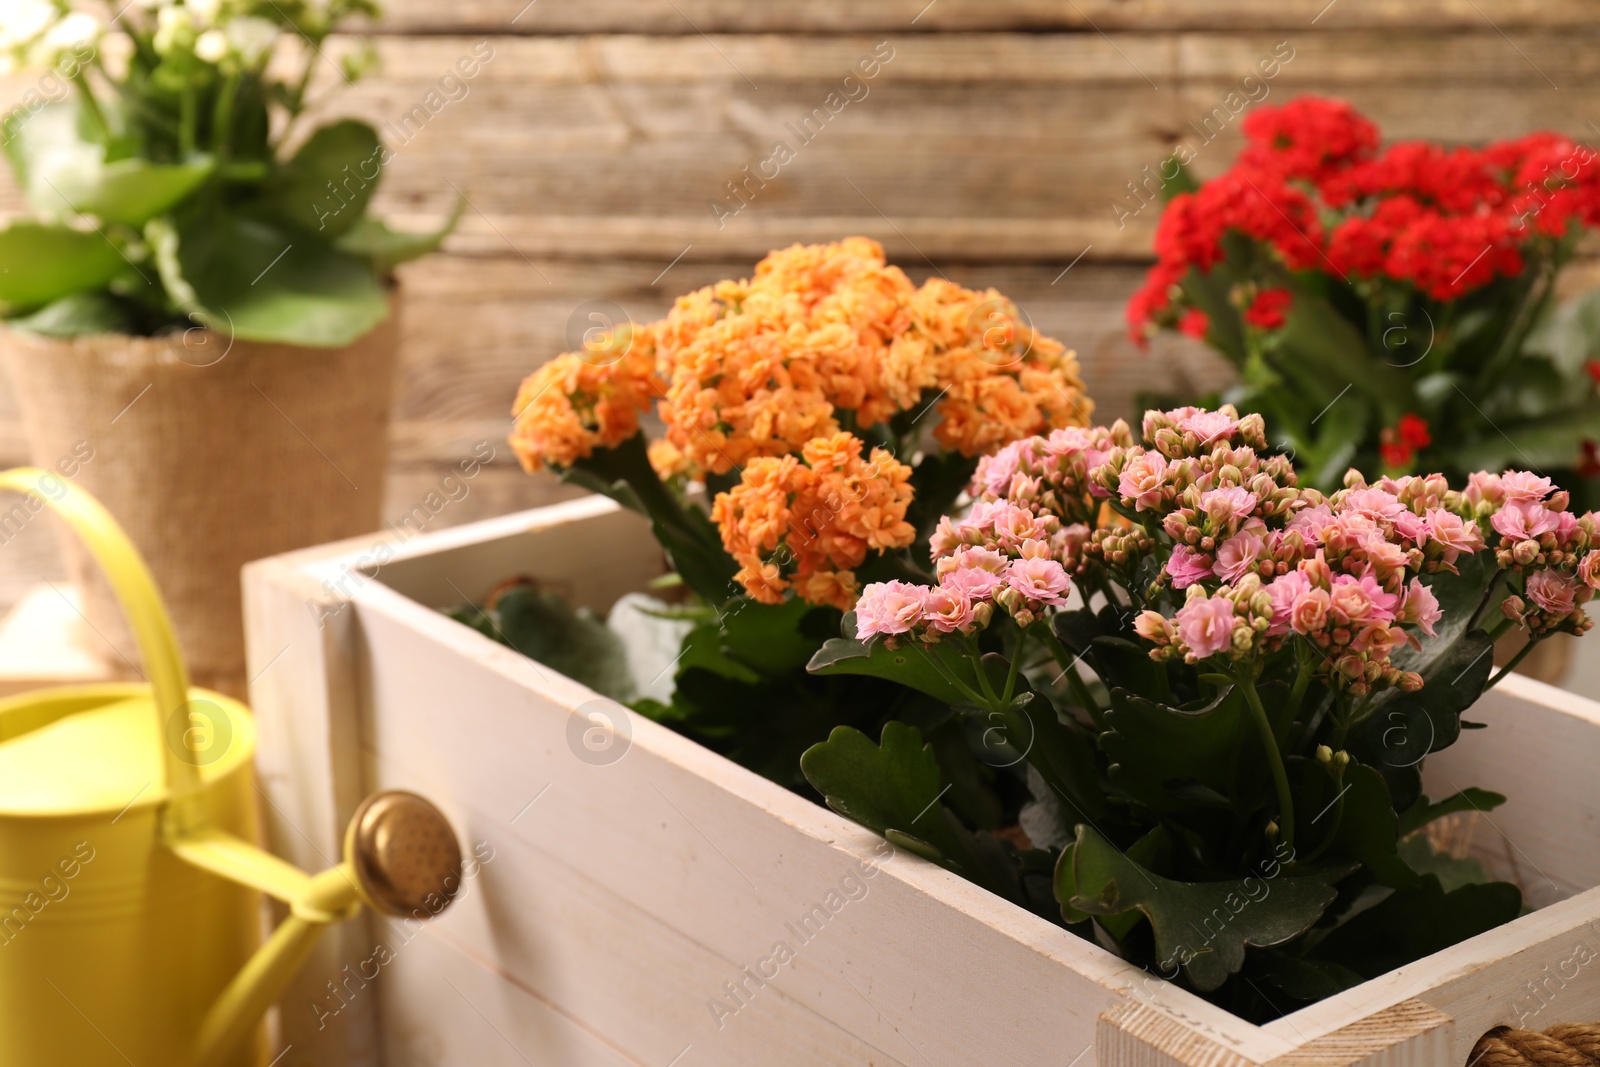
[1308,137]
[1593,369]
[1589,461]
[1266,311]
[1413,430]
[1398,444]
[1195,323]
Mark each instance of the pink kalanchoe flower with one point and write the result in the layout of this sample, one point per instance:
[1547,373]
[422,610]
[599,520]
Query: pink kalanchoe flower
[1355,601]
[994,474]
[1153,627]
[889,608]
[974,583]
[1525,487]
[1420,607]
[975,557]
[1205,625]
[1375,504]
[1309,613]
[1239,554]
[948,610]
[1209,426]
[1483,487]
[1589,570]
[1014,525]
[1412,527]
[1555,593]
[1524,522]
[1186,567]
[1285,590]
[1142,481]
[1226,506]
[1455,535]
[1043,581]
[1310,522]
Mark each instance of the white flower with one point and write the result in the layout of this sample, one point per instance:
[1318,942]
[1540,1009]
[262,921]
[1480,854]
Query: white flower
[204,11]
[252,38]
[72,32]
[174,26]
[212,46]
[23,21]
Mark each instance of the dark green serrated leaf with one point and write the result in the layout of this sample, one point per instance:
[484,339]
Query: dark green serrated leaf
[1300,980]
[1204,927]
[1154,748]
[544,627]
[1453,873]
[934,669]
[895,789]
[1356,814]
[1472,799]
[1413,923]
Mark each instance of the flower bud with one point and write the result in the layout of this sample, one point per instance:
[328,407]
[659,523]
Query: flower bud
[1324,754]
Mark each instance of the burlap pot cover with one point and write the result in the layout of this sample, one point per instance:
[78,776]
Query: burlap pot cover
[211,453]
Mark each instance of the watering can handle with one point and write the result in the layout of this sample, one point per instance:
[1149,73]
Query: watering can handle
[136,592]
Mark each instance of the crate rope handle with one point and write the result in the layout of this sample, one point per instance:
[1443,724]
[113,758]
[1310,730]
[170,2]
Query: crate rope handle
[136,593]
[1568,1045]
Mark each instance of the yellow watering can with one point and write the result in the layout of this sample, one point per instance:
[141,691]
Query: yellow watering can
[130,886]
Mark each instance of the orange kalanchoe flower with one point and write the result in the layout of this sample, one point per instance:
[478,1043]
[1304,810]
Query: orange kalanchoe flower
[748,373]
[810,524]
[761,366]
[584,400]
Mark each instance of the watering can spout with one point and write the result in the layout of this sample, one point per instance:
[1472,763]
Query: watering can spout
[401,858]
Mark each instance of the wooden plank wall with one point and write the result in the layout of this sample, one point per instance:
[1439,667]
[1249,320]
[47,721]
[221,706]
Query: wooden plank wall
[995,145]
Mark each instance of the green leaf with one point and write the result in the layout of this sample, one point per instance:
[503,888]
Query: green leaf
[1553,439]
[1203,927]
[1569,334]
[259,282]
[77,315]
[936,481]
[1419,855]
[1301,980]
[776,639]
[1355,819]
[1316,337]
[544,627]
[691,540]
[62,172]
[386,249]
[326,187]
[933,669]
[129,191]
[1154,748]
[40,263]
[1422,813]
[894,789]
[1412,923]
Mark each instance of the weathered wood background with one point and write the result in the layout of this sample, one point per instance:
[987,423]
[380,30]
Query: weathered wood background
[996,146]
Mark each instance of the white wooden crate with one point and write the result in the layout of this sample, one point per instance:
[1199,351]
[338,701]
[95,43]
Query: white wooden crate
[627,889]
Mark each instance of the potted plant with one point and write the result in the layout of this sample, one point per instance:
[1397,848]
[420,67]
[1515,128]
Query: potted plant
[1235,711]
[1393,308]
[200,319]
[749,923]
[829,409]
